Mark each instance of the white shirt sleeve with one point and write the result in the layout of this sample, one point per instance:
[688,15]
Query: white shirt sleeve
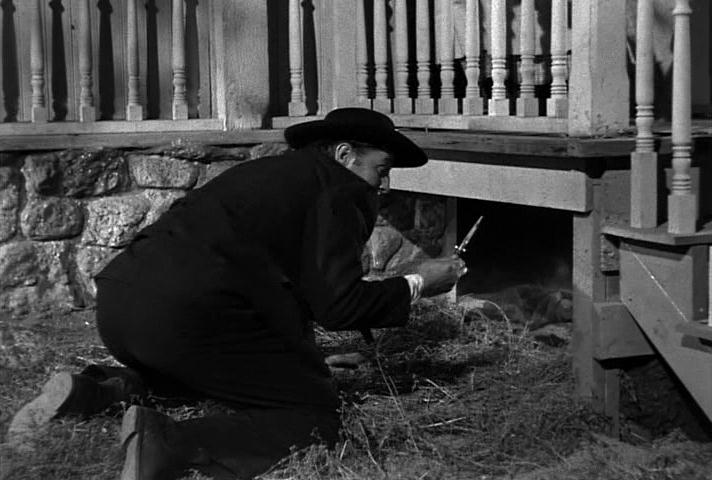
[415,283]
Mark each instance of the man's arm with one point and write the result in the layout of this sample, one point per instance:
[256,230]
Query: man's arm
[336,230]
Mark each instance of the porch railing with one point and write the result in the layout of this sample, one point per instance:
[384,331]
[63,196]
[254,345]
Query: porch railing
[470,64]
[133,64]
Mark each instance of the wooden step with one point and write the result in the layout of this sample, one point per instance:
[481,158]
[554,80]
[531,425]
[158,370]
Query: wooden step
[660,236]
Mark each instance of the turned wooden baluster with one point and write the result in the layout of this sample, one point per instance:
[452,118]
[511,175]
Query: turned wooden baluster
[558,104]
[527,104]
[87,112]
[644,160]
[297,106]
[424,103]
[381,102]
[361,57]
[682,202]
[499,104]
[134,109]
[180,105]
[709,284]
[402,102]
[472,104]
[448,103]
[38,112]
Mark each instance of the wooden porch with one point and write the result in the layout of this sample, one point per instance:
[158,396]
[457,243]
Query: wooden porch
[513,104]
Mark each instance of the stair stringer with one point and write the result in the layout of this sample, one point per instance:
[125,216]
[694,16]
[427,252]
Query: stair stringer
[646,285]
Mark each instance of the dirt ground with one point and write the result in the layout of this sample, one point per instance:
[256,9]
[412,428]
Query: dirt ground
[458,394]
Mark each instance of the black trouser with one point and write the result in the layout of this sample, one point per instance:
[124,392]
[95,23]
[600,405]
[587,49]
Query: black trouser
[219,349]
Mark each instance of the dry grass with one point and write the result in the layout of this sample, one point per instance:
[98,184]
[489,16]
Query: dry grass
[454,395]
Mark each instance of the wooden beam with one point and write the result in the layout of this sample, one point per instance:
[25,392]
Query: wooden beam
[651,287]
[617,334]
[565,190]
[136,140]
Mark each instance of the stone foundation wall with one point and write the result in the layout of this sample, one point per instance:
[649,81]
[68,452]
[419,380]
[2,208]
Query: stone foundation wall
[65,214]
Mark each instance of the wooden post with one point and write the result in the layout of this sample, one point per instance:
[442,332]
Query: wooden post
[402,103]
[424,103]
[499,104]
[557,105]
[134,109]
[37,66]
[297,106]
[682,202]
[598,84]
[180,106]
[87,112]
[644,160]
[527,104]
[381,102]
[472,103]
[448,103]
[361,56]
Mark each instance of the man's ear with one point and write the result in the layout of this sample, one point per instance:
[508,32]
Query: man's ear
[344,154]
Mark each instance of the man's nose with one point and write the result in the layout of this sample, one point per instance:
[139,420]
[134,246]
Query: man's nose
[385,184]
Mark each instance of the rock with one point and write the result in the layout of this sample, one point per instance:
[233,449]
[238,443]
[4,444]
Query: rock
[9,200]
[160,201]
[90,260]
[555,335]
[38,275]
[397,210]
[405,259]
[384,243]
[113,222]
[215,169]
[268,149]
[92,172]
[18,264]
[42,174]
[163,172]
[430,216]
[52,218]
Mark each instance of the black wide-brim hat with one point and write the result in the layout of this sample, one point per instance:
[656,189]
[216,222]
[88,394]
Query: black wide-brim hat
[360,125]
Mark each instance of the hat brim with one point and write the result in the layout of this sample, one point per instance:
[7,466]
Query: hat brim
[405,153]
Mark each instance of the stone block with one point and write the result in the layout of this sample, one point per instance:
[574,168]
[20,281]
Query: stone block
[430,216]
[52,261]
[87,173]
[9,201]
[113,221]
[383,243]
[90,260]
[18,264]
[156,171]
[215,169]
[42,174]
[398,211]
[52,218]
[160,201]
[268,149]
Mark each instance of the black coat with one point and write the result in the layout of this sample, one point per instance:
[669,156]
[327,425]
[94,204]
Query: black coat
[221,292]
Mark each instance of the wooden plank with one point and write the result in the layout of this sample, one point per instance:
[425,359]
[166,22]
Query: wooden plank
[566,190]
[509,123]
[109,126]
[660,235]
[589,287]
[136,140]
[618,336]
[698,329]
[660,313]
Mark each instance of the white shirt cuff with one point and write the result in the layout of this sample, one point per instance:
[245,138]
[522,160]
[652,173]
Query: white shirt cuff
[415,283]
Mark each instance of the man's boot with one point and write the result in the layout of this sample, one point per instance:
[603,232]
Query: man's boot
[66,394]
[155,446]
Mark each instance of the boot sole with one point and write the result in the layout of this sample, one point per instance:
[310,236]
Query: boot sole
[131,441]
[41,410]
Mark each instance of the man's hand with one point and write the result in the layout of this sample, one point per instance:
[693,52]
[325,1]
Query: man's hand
[440,274]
